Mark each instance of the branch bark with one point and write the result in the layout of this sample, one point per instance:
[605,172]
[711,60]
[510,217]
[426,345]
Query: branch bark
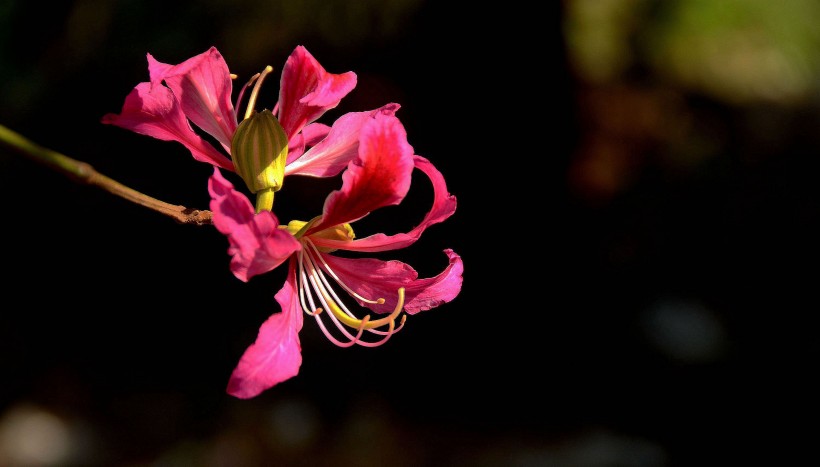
[86,174]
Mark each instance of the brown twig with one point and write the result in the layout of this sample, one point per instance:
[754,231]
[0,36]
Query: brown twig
[85,173]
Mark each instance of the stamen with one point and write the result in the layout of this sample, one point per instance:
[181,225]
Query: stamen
[353,339]
[387,334]
[242,91]
[255,92]
[357,338]
[335,306]
[322,298]
[342,318]
[302,281]
[327,268]
[383,333]
[339,310]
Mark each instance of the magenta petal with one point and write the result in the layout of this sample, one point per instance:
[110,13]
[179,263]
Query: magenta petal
[153,110]
[276,355]
[379,176]
[373,279]
[306,91]
[203,86]
[309,136]
[338,148]
[424,294]
[257,244]
[444,205]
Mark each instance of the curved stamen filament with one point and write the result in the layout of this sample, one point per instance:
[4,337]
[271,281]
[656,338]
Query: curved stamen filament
[327,268]
[255,92]
[387,333]
[355,340]
[336,306]
[312,280]
[352,339]
[242,91]
[302,281]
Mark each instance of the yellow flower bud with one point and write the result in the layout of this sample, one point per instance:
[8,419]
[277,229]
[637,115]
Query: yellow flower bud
[260,150]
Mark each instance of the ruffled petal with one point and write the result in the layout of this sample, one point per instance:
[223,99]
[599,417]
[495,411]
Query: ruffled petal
[257,244]
[152,110]
[379,176]
[277,354]
[306,91]
[203,86]
[333,153]
[373,279]
[444,205]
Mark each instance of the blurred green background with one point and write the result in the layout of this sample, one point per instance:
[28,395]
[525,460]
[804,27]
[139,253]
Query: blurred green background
[638,213]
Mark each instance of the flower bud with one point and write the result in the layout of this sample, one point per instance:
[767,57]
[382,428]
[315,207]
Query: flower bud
[260,150]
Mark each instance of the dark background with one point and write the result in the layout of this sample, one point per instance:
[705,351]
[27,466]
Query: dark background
[638,209]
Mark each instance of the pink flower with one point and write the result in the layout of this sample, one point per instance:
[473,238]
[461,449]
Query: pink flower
[199,89]
[378,176]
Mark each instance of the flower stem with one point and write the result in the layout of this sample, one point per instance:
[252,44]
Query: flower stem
[85,173]
[264,200]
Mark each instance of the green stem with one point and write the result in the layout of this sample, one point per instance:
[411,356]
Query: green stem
[85,173]
[264,200]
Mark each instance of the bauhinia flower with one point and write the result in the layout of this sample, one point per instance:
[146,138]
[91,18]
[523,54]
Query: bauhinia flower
[263,147]
[378,176]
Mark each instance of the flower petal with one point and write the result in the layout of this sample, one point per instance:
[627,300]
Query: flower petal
[306,91]
[373,279]
[334,152]
[309,136]
[152,110]
[277,354]
[444,205]
[379,176]
[203,86]
[257,244]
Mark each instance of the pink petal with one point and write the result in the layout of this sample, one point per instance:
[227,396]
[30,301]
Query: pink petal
[257,245]
[333,153]
[306,91]
[373,279]
[153,110]
[379,176]
[424,294]
[309,136]
[444,205]
[203,86]
[276,355]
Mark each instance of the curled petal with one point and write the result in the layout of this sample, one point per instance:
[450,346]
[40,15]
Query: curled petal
[276,355]
[444,205]
[152,110]
[307,91]
[257,244]
[338,148]
[373,279]
[379,176]
[428,293]
[203,86]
